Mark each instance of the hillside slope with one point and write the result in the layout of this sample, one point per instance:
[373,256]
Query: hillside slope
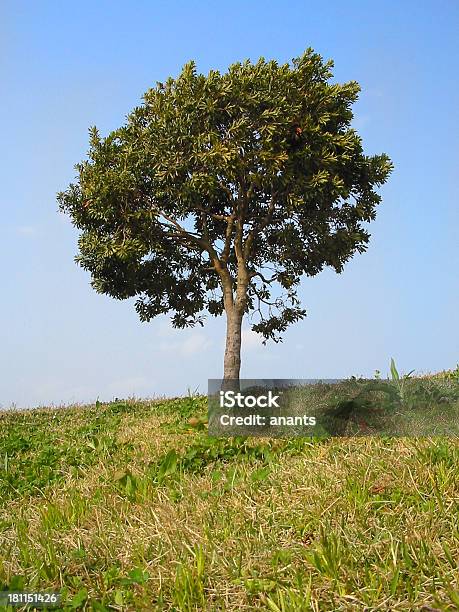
[124,506]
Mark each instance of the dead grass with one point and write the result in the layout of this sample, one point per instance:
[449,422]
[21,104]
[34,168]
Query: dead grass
[344,524]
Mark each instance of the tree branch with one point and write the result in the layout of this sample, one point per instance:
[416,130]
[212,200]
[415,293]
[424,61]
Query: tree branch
[260,226]
[226,218]
[265,280]
[229,232]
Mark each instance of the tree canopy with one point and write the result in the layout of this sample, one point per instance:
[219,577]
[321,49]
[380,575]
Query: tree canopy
[222,190]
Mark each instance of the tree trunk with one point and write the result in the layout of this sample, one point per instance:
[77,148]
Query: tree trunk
[232,365]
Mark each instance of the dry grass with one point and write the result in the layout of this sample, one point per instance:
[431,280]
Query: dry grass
[348,524]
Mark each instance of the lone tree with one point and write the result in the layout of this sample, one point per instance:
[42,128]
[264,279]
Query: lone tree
[221,191]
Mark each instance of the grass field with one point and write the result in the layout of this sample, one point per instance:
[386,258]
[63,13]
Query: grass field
[124,506]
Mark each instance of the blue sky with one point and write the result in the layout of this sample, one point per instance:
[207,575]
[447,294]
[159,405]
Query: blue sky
[66,66]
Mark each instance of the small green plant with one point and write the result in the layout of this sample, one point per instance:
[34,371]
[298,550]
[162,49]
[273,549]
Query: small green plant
[78,599]
[188,593]
[399,380]
[135,576]
[167,466]
[208,451]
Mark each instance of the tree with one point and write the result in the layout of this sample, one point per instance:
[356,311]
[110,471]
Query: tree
[221,191]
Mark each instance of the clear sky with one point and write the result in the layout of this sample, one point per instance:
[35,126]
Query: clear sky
[65,66]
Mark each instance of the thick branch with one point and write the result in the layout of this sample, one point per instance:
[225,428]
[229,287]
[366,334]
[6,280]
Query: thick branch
[229,233]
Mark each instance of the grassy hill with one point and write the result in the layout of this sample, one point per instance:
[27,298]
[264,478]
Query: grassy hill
[125,506]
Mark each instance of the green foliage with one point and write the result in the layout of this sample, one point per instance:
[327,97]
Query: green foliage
[16,583]
[209,451]
[441,452]
[78,599]
[136,576]
[452,375]
[39,449]
[188,593]
[400,405]
[167,466]
[215,179]
[127,484]
[399,381]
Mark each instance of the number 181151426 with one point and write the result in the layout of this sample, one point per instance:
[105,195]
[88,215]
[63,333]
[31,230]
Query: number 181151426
[21,598]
